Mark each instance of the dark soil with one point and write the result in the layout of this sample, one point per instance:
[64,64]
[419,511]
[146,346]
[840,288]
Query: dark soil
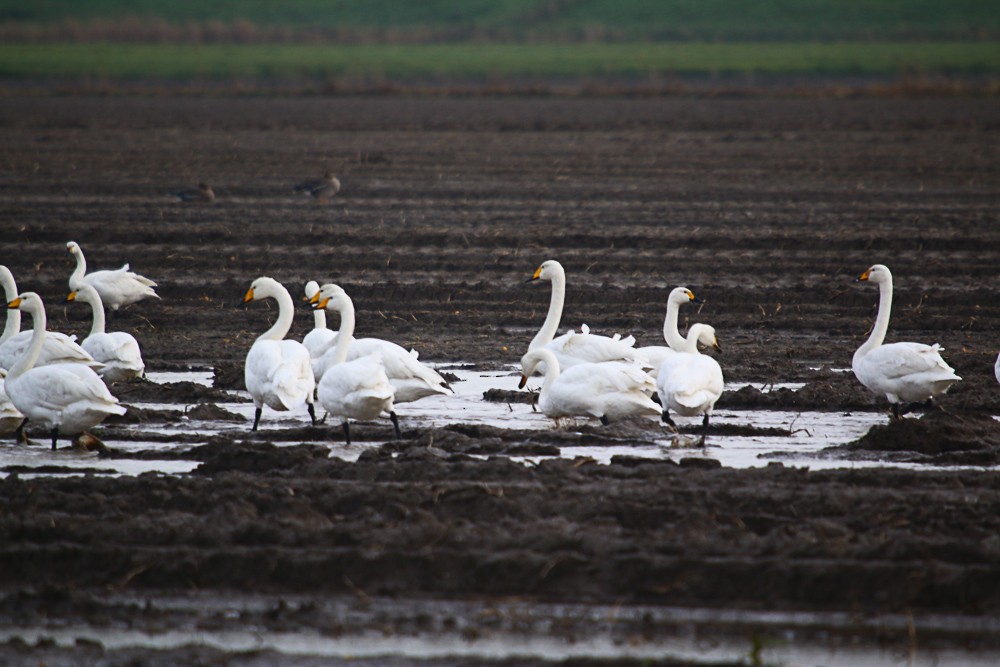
[766,209]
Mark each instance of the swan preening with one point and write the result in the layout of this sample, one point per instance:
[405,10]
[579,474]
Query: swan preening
[688,382]
[278,372]
[117,350]
[907,374]
[574,348]
[118,287]
[65,399]
[356,389]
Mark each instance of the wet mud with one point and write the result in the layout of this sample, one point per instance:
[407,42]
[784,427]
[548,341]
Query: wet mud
[766,209]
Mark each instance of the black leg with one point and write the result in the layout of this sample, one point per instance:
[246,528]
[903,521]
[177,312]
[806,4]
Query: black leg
[895,411]
[347,433]
[656,398]
[312,413]
[55,437]
[604,420]
[395,425]
[665,418]
[704,432]
[256,418]
[19,436]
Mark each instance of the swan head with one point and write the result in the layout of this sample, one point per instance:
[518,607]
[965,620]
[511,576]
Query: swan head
[550,269]
[682,295]
[532,360]
[312,288]
[877,273]
[86,294]
[73,247]
[261,288]
[330,297]
[26,301]
[705,334]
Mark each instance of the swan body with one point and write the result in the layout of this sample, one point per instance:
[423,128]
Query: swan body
[356,389]
[10,417]
[654,355]
[690,382]
[605,391]
[278,372]
[902,372]
[58,348]
[66,399]
[117,287]
[117,350]
[320,338]
[575,348]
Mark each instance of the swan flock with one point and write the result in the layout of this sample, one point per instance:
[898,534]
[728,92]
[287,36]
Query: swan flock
[48,381]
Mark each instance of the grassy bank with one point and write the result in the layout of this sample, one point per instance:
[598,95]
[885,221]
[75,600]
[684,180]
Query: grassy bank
[483,61]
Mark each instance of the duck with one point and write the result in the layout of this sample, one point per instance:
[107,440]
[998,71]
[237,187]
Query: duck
[117,350]
[654,355]
[320,189]
[604,391]
[320,338]
[692,382]
[411,379]
[203,193]
[575,348]
[118,287]
[58,348]
[358,389]
[907,374]
[65,399]
[278,372]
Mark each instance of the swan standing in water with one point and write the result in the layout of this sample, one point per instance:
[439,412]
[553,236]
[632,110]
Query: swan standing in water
[357,389]
[320,338]
[66,399]
[654,355]
[690,382]
[603,391]
[411,379]
[574,348]
[58,348]
[907,374]
[118,350]
[278,372]
[118,287]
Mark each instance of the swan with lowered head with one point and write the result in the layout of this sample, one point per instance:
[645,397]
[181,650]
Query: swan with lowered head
[320,338]
[58,348]
[411,379]
[118,350]
[574,348]
[66,399]
[608,392]
[357,389]
[277,372]
[653,355]
[118,287]
[693,382]
[905,373]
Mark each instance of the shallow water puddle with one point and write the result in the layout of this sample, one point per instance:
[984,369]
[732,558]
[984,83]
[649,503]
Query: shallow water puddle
[809,432]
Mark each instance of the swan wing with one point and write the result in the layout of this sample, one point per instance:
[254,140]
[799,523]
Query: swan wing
[357,389]
[695,381]
[319,340]
[411,378]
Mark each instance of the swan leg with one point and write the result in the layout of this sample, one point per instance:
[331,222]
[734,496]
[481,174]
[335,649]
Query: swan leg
[395,425]
[665,418]
[20,437]
[704,432]
[55,438]
[895,411]
[655,398]
[604,420]
[256,418]
[347,433]
[312,413]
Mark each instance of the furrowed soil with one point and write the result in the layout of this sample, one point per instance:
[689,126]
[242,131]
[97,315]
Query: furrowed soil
[767,209]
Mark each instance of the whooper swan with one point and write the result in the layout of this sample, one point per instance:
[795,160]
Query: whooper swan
[118,350]
[117,287]
[693,382]
[653,355]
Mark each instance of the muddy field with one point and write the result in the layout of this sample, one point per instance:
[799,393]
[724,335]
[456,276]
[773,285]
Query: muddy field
[766,209]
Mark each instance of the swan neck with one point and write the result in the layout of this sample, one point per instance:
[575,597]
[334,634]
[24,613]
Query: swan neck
[81,269]
[98,326]
[30,356]
[671,335]
[691,343]
[881,326]
[552,371]
[552,318]
[286,310]
[319,318]
[13,324]
[345,335]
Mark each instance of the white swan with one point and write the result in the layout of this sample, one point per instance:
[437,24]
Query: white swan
[10,417]
[67,399]
[357,389]
[320,338]
[118,350]
[603,391]
[996,368]
[58,348]
[278,373]
[411,379]
[906,373]
[655,354]
[574,348]
[691,382]
[118,287]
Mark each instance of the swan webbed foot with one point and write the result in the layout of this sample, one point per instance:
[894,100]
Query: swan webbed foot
[312,412]
[20,437]
[347,433]
[395,425]
[256,418]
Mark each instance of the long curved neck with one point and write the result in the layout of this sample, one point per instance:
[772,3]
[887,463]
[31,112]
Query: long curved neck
[346,333]
[551,370]
[79,271]
[319,318]
[286,310]
[881,320]
[30,356]
[674,339]
[13,324]
[98,310]
[551,324]
[691,343]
